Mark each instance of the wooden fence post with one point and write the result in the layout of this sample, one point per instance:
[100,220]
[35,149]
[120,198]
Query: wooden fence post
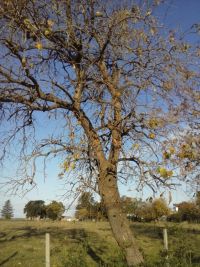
[47,249]
[165,239]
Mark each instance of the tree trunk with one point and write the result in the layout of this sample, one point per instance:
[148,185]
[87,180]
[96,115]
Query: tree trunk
[118,221]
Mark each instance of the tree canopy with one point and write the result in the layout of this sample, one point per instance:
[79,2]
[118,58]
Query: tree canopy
[121,90]
[35,208]
[55,210]
[88,208]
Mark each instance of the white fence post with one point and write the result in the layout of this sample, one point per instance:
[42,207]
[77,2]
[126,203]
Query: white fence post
[47,249]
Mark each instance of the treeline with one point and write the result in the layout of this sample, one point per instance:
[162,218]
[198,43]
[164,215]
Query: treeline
[88,208]
[37,209]
[139,210]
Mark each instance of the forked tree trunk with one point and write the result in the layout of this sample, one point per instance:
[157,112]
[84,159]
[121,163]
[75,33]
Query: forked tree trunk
[118,221]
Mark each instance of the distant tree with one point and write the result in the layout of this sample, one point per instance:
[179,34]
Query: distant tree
[55,210]
[100,211]
[129,204]
[35,208]
[145,212]
[86,207]
[85,200]
[152,210]
[189,211]
[160,208]
[7,210]
[82,214]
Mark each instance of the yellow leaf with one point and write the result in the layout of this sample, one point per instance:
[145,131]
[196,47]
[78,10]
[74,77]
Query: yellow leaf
[152,135]
[38,45]
[73,166]
[76,156]
[163,172]
[171,39]
[135,146]
[99,14]
[47,32]
[172,150]
[23,61]
[139,51]
[181,155]
[152,31]
[27,22]
[66,165]
[148,13]
[117,94]
[153,123]
[50,22]
[185,47]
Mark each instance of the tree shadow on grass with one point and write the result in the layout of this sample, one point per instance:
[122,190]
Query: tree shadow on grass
[27,234]
[79,236]
[8,258]
[148,230]
[95,246]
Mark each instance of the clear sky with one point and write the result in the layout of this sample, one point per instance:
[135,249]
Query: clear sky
[180,13]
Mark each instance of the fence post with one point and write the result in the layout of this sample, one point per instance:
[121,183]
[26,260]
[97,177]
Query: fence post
[165,239]
[47,249]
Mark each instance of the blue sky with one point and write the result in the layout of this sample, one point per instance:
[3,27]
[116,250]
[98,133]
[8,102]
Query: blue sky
[180,13]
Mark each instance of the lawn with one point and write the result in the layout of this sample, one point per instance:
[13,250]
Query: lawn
[90,244]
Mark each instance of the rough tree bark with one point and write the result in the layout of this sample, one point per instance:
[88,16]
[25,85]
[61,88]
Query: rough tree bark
[117,219]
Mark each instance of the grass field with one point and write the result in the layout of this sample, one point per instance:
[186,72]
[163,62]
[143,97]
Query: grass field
[90,244]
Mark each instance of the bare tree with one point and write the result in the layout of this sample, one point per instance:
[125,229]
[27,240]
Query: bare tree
[117,86]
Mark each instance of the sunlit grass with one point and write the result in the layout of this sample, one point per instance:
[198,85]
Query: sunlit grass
[85,244]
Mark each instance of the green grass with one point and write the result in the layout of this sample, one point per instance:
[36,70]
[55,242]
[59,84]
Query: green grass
[90,244]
